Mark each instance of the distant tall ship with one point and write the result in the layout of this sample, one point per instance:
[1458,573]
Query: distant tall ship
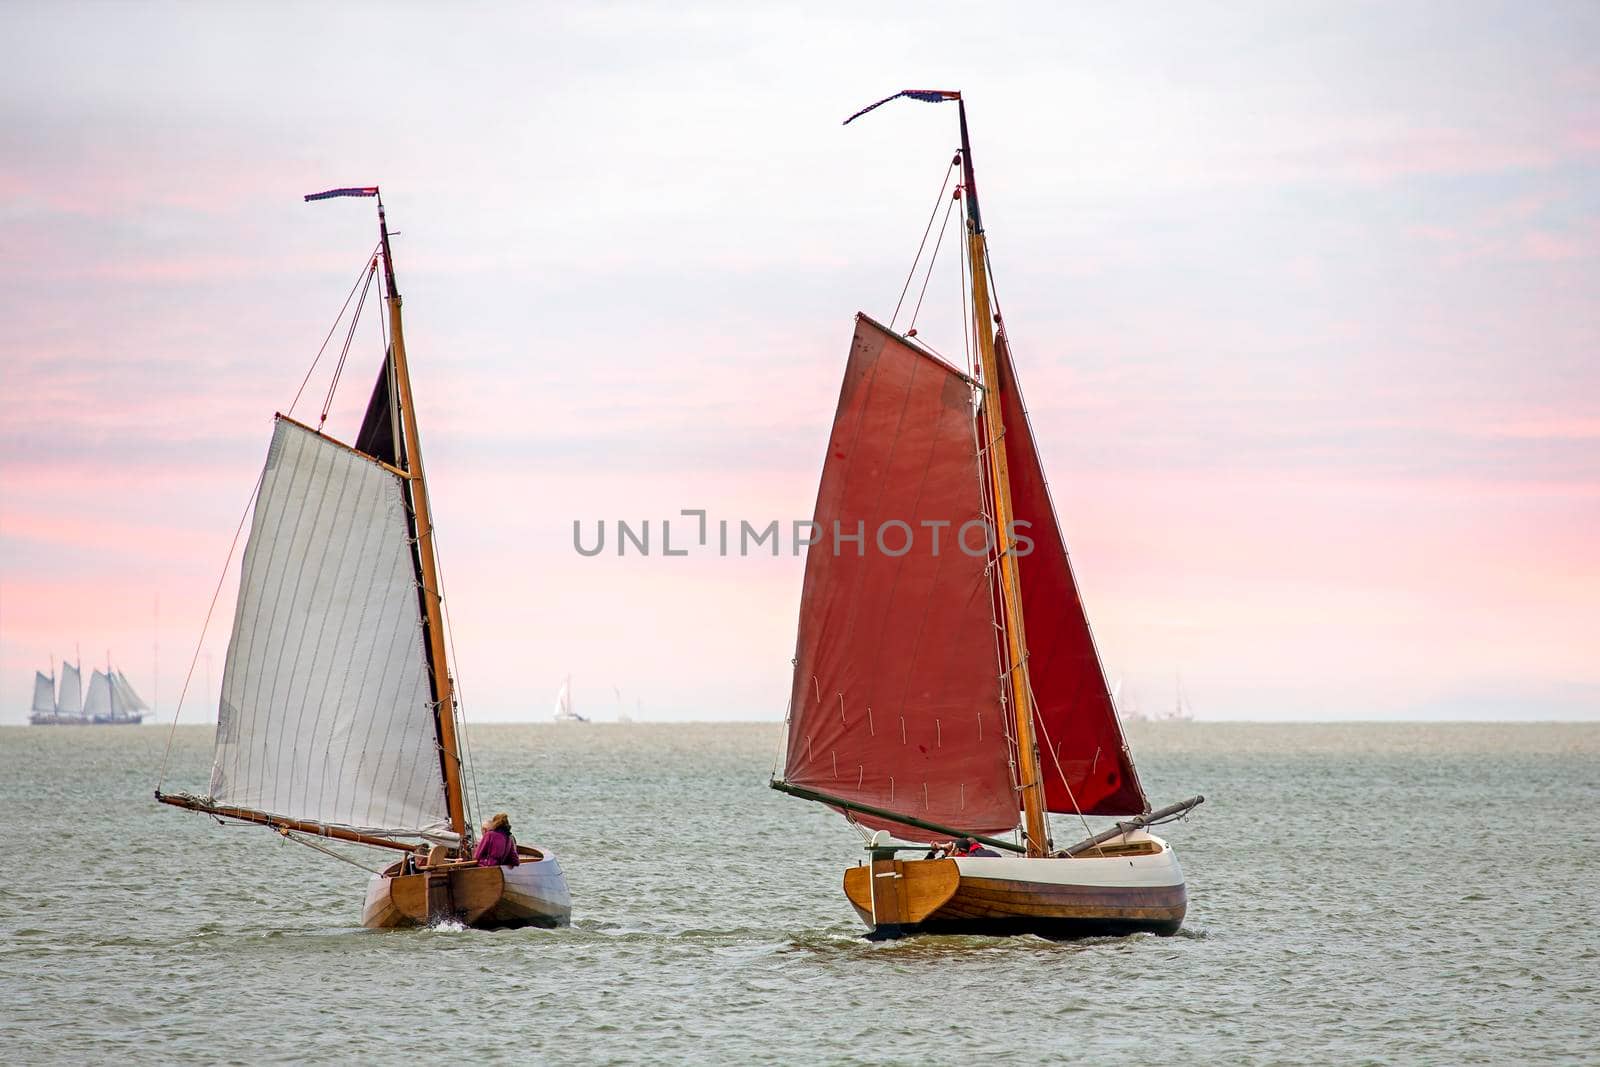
[112,700]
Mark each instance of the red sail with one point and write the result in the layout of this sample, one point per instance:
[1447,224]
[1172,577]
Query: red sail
[1078,727]
[896,693]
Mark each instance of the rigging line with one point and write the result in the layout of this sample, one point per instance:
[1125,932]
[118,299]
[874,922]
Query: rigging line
[985,504]
[464,760]
[301,839]
[934,258]
[783,742]
[455,690]
[1012,668]
[161,777]
[1038,721]
[926,230]
[338,319]
[344,353]
[966,342]
[918,342]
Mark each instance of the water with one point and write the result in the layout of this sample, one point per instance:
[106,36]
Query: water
[1358,893]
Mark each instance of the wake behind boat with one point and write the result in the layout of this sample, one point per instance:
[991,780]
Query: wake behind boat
[338,719]
[937,687]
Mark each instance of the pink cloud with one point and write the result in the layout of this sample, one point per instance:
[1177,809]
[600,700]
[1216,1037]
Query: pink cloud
[1547,247]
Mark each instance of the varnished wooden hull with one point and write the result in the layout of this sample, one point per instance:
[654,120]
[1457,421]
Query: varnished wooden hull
[1061,898]
[534,893]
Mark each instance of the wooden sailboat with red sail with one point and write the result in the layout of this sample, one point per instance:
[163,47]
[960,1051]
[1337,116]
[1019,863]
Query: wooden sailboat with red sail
[946,684]
[338,720]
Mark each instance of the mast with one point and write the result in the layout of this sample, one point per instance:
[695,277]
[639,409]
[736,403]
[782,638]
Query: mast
[427,564]
[1030,781]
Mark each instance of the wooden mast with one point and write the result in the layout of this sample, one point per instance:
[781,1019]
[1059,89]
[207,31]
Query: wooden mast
[432,615]
[1030,781]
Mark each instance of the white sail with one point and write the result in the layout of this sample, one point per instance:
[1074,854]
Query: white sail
[44,693]
[564,712]
[71,701]
[123,698]
[326,711]
[99,699]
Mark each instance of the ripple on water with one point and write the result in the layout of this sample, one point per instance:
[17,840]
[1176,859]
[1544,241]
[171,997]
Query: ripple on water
[1342,908]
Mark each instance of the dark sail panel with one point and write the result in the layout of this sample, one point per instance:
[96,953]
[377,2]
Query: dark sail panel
[377,434]
[1078,727]
[895,701]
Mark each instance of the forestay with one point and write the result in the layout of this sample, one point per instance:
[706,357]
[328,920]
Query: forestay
[326,712]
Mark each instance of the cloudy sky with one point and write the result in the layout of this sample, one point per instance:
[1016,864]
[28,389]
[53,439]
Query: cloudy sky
[1304,297]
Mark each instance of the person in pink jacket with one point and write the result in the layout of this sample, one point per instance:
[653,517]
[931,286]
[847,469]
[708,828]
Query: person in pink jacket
[497,848]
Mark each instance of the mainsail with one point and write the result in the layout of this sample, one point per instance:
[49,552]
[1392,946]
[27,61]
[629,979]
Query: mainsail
[1078,728]
[71,699]
[99,699]
[44,693]
[896,698]
[326,712]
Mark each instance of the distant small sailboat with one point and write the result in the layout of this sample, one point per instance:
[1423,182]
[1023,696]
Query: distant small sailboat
[935,692]
[338,718]
[112,700]
[564,712]
[1182,710]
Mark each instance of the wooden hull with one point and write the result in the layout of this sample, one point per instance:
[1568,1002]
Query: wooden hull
[1131,891]
[534,893]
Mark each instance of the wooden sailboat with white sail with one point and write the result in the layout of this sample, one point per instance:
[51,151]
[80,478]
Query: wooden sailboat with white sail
[338,719]
[946,684]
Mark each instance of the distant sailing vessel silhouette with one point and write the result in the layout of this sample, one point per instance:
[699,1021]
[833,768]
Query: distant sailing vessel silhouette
[564,712]
[936,692]
[112,700]
[338,718]
[1182,710]
[1130,711]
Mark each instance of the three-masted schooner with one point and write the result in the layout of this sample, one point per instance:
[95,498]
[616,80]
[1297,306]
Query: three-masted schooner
[112,700]
[337,717]
[945,676]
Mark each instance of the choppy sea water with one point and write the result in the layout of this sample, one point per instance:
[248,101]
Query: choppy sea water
[1358,893]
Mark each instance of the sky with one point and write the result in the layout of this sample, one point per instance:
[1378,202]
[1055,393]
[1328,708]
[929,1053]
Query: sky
[1303,296]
